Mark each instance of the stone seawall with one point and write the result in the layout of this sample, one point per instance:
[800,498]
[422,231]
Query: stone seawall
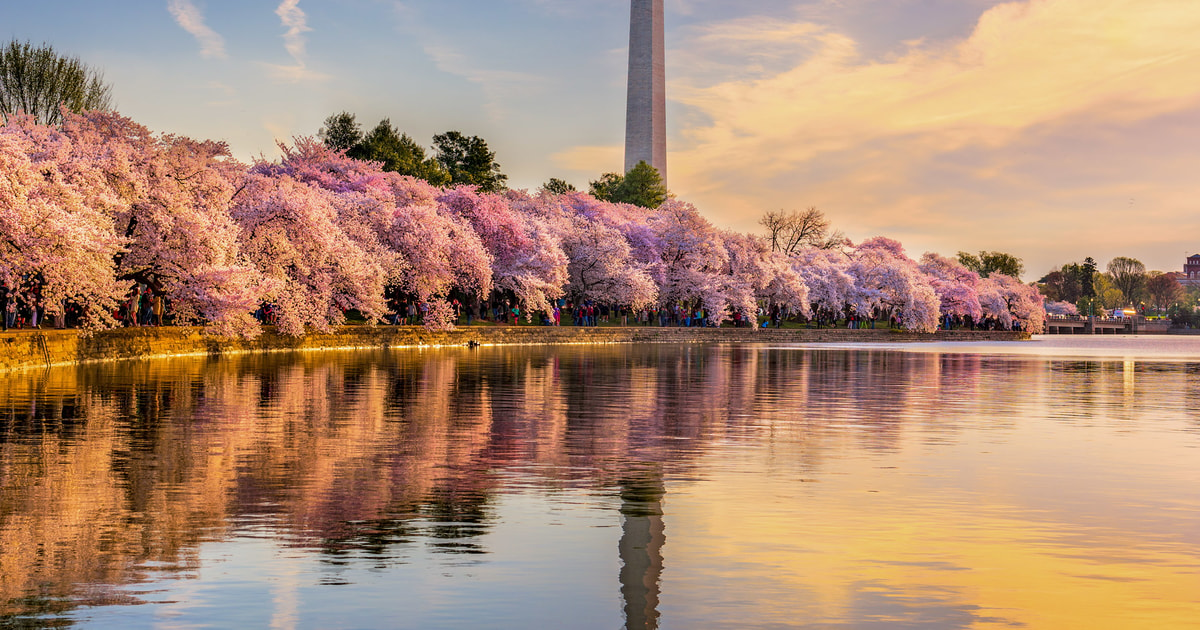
[43,348]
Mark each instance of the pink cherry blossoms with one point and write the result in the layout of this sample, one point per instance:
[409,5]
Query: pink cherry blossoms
[101,209]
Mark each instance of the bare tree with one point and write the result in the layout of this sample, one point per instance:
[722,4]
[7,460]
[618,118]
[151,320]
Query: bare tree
[788,231]
[40,82]
[1164,290]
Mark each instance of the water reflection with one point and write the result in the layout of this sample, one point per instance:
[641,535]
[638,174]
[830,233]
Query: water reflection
[642,538]
[853,486]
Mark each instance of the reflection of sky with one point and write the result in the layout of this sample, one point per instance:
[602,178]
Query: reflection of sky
[521,583]
[1137,347]
[1063,503]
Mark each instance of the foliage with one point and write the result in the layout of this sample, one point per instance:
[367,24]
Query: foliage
[341,132]
[41,83]
[1107,293]
[1087,271]
[468,161]
[399,153]
[642,186]
[1064,284]
[604,188]
[556,186]
[987,263]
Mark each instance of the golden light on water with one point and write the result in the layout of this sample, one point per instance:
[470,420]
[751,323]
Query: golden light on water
[702,486]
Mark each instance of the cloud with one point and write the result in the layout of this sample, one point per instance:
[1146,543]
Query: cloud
[939,141]
[498,86]
[295,21]
[295,73]
[191,20]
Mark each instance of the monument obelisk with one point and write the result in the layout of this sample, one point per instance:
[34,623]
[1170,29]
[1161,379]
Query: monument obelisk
[646,107]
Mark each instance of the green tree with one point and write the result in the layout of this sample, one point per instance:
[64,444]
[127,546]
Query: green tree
[1107,293]
[341,132]
[469,161]
[1087,271]
[39,81]
[557,186]
[642,186]
[987,263]
[1129,276]
[604,187]
[399,154]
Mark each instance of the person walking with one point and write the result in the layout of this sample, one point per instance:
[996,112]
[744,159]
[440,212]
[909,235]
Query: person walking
[10,309]
[158,310]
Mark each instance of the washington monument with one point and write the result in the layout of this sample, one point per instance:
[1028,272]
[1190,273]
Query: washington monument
[646,107]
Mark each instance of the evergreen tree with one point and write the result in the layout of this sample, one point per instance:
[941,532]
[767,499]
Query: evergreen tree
[642,186]
[399,154]
[557,186]
[1086,277]
[604,187]
[341,132]
[468,160]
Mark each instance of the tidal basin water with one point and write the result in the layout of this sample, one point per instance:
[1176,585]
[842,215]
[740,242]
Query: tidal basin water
[1048,484]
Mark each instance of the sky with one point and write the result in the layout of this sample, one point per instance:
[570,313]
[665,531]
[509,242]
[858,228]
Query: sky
[1049,129]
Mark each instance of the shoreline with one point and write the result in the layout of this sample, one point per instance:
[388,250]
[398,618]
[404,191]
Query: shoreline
[37,348]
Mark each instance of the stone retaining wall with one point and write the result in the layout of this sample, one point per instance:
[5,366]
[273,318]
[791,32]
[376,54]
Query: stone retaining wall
[42,348]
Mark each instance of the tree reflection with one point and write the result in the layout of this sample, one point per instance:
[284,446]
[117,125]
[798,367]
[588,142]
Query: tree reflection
[111,473]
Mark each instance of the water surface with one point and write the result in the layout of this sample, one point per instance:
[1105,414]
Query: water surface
[1050,484]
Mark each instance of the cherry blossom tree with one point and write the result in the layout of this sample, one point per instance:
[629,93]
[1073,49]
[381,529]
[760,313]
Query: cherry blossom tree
[1061,309]
[397,220]
[290,231]
[170,197]
[527,258]
[601,266]
[887,279]
[955,285]
[88,209]
[688,257]
[48,231]
[442,251]
[826,274]
[757,274]
[1008,300]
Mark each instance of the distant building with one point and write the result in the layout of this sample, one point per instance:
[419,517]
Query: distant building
[1191,271]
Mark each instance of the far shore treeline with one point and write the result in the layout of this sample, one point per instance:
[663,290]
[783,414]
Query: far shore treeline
[98,207]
